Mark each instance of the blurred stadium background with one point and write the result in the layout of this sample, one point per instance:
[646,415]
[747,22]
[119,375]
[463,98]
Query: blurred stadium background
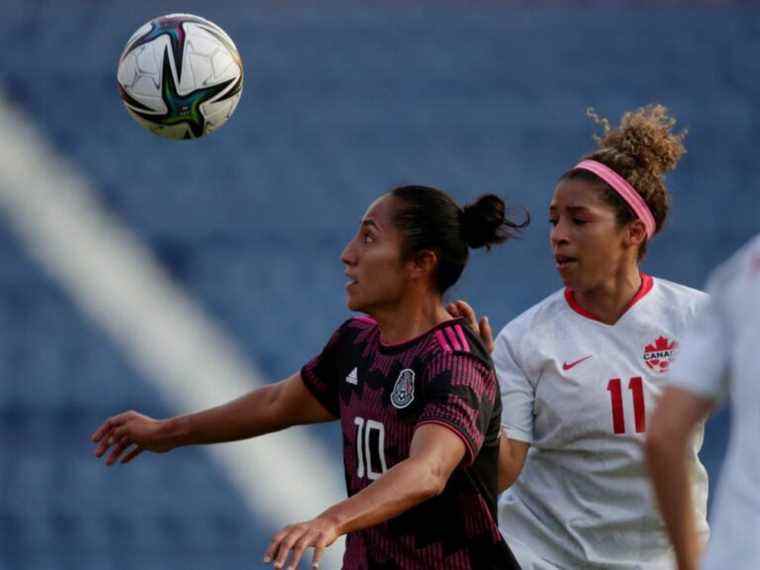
[164,276]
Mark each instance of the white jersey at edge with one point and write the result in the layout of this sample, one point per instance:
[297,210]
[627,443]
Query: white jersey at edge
[721,357]
[580,392]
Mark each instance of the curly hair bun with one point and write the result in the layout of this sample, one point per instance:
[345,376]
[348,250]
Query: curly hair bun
[485,222]
[644,141]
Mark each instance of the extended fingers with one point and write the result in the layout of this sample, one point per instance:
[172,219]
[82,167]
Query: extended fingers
[274,545]
[294,536]
[306,540]
[108,438]
[486,334]
[104,428]
[319,547]
[461,309]
[453,310]
[132,454]
[118,449]
[108,425]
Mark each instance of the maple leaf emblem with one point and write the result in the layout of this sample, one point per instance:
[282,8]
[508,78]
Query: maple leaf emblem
[659,354]
[660,344]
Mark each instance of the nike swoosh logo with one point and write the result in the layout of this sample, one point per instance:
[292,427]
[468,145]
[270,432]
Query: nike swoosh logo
[566,366]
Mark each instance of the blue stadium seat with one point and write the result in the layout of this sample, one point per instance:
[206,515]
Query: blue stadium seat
[340,104]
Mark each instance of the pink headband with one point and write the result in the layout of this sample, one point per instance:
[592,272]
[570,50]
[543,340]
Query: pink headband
[626,191]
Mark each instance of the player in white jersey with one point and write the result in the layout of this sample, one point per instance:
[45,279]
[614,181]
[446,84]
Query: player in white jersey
[720,358]
[580,371]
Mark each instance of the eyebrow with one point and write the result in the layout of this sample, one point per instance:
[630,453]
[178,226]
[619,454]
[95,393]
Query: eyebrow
[367,223]
[553,208]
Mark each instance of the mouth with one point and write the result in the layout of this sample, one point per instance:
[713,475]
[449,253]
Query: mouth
[351,281]
[564,261]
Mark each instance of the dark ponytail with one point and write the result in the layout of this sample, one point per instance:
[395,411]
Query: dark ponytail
[430,219]
[485,222]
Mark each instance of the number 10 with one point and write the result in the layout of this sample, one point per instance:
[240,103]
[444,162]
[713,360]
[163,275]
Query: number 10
[636,386]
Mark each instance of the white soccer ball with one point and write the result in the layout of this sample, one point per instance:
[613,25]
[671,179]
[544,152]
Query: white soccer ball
[180,76]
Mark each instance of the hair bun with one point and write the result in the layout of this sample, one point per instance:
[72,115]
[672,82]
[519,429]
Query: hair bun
[644,140]
[485,222]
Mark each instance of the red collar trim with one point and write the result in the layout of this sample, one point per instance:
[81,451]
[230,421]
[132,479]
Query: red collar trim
[646,286]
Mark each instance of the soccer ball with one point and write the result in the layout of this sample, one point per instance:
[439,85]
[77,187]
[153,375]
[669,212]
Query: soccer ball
[180,76]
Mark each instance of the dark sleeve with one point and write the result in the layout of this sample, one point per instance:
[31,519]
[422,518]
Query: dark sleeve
[320,374]
[460,394]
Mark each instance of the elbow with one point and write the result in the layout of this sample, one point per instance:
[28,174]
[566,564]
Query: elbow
[435,486]
[505,481]
[433,483]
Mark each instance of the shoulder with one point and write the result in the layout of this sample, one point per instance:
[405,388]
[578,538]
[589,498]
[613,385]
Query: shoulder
[360,323]
[353,327]
[454,346]
[678,297]
[455,339]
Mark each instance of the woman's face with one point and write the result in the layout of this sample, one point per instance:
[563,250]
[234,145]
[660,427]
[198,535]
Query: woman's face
[373,260]
[588,245]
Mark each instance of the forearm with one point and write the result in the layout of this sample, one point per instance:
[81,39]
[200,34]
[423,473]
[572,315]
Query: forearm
[407,484]
[511,460]
[668,466]
[248,416]
[262,411]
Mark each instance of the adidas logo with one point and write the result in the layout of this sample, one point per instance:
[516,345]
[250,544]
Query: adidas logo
[353,377]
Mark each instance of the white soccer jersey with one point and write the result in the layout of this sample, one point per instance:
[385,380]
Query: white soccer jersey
[581,393]
[721,356]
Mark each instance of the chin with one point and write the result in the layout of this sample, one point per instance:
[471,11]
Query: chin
[567,279]
[354,305]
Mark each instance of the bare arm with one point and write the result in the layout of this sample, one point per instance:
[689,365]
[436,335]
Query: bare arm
[677,414]
[434,454]
[512,454]
[262,411]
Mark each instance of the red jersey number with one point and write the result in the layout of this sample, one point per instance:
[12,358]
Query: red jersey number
[636,386]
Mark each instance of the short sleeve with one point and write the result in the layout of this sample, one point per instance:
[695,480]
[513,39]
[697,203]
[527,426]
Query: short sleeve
[702,365]
[460,394]
[320,374]
[517,393]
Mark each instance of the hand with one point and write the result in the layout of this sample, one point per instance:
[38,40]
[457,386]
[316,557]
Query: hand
[130,430]
[318,533]
[460,308]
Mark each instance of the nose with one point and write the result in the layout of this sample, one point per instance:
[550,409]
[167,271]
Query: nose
[348,255]
[559,234]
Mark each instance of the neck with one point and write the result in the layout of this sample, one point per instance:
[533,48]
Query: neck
[609,300]
[412,317]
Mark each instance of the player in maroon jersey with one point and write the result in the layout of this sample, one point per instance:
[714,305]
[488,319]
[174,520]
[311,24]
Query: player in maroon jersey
[414,390]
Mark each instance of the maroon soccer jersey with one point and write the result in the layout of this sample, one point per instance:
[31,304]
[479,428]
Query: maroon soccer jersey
[381,395]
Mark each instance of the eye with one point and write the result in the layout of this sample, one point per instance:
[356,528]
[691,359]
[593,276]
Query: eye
[578,222]
[368,238]
[553,221]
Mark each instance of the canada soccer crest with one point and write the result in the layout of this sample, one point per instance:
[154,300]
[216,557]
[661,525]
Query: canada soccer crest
[403,390]
[660,354]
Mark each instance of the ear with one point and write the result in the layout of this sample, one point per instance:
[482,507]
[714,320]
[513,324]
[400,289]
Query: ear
[422,264]
[636,234]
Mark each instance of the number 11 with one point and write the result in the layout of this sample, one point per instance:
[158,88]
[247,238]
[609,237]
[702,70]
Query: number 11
[636,386]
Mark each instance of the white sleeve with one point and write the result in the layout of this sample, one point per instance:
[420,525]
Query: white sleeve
[517,393]
[702,365]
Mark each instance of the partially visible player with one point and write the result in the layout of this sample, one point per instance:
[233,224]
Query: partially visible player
[581,370]
[414,390]
[720,359]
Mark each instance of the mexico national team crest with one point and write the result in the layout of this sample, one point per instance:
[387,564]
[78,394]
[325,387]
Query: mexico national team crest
[403,390]
[660,354]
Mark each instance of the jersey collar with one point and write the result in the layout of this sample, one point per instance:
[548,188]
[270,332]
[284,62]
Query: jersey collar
[646,286]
